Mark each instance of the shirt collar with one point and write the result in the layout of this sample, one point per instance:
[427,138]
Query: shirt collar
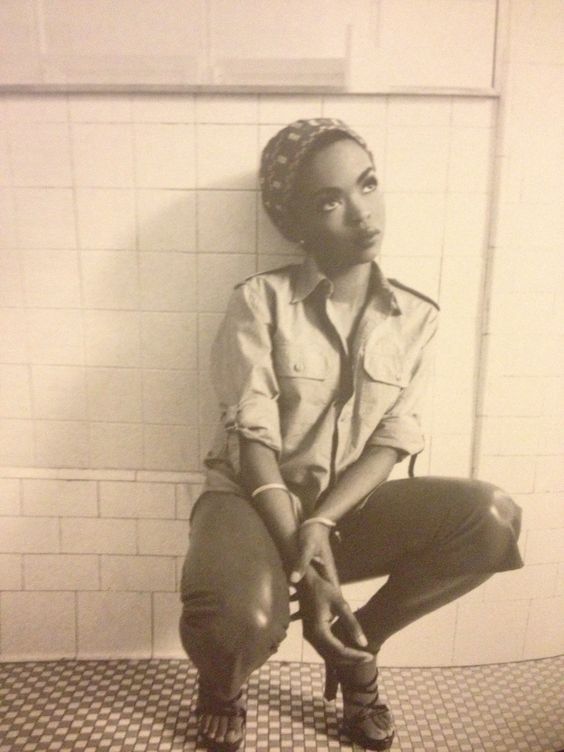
[308,277]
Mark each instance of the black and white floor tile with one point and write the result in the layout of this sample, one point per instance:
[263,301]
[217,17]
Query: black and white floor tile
[147,706]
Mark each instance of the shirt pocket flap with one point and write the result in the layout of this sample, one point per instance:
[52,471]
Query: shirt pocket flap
[386,367]
[298,362]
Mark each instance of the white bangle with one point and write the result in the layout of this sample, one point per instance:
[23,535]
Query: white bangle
[268,486]
[319,520]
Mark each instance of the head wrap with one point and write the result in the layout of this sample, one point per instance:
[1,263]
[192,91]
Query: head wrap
[281,159]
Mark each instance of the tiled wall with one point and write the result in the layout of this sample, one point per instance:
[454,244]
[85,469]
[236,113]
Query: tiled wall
[124,221]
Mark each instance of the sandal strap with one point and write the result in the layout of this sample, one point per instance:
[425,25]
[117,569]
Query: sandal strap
[213,705]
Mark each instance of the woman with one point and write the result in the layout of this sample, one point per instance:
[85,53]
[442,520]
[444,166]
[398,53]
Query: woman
[320,371]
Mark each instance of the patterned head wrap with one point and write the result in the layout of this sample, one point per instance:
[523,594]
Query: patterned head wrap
[281,159]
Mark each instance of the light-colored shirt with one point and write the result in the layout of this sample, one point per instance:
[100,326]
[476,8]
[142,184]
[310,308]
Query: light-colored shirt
[285,377]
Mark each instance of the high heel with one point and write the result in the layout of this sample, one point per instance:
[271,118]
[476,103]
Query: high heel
[372,725]
[209,704]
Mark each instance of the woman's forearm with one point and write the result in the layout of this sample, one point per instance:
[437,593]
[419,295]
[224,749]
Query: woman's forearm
[259,467]
[358,480]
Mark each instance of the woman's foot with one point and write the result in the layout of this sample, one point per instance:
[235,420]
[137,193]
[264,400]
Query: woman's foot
[221,722]
[366,721]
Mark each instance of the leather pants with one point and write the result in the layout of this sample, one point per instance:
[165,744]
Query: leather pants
[435,537]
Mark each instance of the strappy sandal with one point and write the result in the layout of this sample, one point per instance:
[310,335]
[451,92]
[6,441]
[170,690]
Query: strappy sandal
[372,725]
[208,704]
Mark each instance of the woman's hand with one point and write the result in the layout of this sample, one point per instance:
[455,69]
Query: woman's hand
[321,601]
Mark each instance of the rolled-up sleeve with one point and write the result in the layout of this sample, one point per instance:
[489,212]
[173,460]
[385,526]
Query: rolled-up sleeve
[243,374]
[401,425]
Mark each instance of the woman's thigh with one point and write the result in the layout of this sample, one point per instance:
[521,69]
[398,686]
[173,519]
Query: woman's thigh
[462,525]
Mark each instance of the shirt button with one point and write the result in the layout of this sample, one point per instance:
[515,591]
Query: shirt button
[298,367]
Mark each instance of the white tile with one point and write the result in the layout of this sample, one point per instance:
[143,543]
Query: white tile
[506,435]
[112,338]
[208,325]
[168,340]
[116,445]
[207,433]
[544,546]
[356,109]
[465,228]
[38,626]
[227,156]
[169,447]
[110,279]
[14,346]
[418,110]
[59,392]
[168,281]
[362,591]
[9,497]
[474,112]
[267,262]
[226,221]
[423,275]
[7,219]
[512,395]
[114,625]
[61,572]
[6,170]
[490,632]
[208,404]
[186,496]
[37,108]
[453,405]
[514,473]
[427,642]
[10,572]
[45,218]
[100,108]
[163,537]
[138,573]
[15,392]
[61,443]
[56,336]
[165,156]
[544,629]
[170,397]
[549,475]
[513,311]
[51,279]
[284,109]
[291,647]
[106,218]
[541,510]
[166,616]
[560,580]
[218,274]
[114,394]
[16,442]
[98,536]
[470,160]
[29,535]
[451,454]
[59,498]
[551,438]
[417,159]
[534,581]
[414,224]
[103,155]
[40,154]
[167,220]
[118,499]
[461,286]
[163,108]
[221,108]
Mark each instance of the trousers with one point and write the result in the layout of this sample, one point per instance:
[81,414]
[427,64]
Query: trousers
[435,537]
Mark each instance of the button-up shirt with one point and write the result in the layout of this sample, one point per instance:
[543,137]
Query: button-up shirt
[285,377]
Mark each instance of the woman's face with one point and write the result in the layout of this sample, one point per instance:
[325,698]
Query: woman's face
[339,207]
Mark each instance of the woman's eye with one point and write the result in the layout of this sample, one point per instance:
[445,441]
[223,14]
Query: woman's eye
[370,185]
[328,204]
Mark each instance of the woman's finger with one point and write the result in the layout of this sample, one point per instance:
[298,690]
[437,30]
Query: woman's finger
[304,558]
[339,651]
[351,624]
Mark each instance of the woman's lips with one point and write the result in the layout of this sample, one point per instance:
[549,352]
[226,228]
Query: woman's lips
[367,237]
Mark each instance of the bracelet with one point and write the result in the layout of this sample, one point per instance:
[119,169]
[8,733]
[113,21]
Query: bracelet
[320,520]
[266,487]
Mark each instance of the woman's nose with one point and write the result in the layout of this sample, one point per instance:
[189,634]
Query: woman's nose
[359,211]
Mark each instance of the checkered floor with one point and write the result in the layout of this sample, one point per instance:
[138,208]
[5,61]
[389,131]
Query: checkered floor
[146,706]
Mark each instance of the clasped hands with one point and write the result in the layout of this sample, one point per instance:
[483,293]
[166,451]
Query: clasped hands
[315,578]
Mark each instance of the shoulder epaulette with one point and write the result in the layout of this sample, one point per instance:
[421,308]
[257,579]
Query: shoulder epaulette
[414,292]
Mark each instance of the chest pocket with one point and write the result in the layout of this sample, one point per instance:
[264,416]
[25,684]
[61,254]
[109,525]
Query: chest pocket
[384,366]
[300,362]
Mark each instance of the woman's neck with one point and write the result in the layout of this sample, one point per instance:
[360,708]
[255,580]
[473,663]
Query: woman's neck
[350,284]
